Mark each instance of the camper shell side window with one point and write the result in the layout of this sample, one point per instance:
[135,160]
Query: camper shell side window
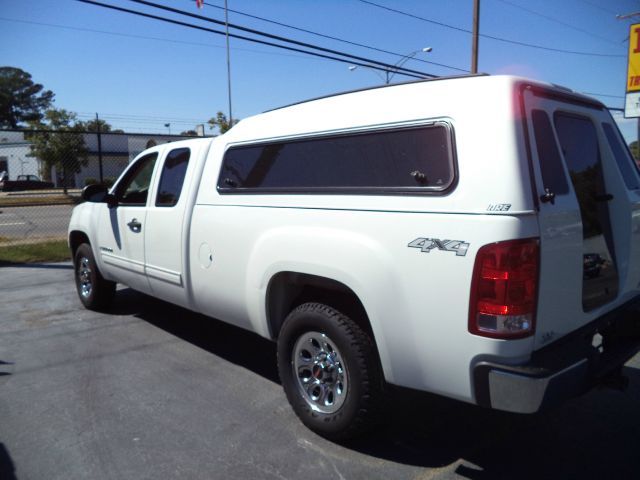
[411,159]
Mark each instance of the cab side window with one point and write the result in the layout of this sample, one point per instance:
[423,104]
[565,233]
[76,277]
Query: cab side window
[172,178]
[134,187]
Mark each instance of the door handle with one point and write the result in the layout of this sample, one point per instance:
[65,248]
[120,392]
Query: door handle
[135,226]
[548,197]
[606,197]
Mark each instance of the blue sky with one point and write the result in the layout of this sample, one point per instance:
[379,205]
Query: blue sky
[139,73]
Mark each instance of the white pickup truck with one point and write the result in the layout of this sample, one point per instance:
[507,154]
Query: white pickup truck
[476,237]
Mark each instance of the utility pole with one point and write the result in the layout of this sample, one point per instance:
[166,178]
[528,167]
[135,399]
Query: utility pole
[99,147]
[226,24]
[474,46]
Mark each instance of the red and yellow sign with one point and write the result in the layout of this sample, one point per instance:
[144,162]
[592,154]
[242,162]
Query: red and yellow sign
[633,68]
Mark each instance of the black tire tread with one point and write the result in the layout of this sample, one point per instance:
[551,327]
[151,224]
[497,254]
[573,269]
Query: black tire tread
[369,408]
[103,290]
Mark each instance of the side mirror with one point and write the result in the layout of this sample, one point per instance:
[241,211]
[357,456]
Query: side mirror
[94,193]
[99,194]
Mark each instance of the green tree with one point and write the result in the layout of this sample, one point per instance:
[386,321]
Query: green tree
[189,133]
[105,127]
[21,100]
[93,125]
[59,144]
[220,121]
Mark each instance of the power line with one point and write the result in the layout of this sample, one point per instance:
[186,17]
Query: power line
[130,115]
[406,14]
[370,64]
[595,5]
[483,35]
[143,37]
[128,35]
[126,119]
[330,37]
[278,37]
[140,122]
[555,20]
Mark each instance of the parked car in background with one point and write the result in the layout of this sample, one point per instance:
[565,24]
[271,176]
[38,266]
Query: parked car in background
[592,262]
[23,182]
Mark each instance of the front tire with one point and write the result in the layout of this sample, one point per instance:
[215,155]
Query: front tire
[330,372]
[94,291]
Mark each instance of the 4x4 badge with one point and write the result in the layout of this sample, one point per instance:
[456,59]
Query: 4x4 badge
[427,244]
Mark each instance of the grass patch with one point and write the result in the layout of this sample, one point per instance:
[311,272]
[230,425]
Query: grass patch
[36,200]
[51,251]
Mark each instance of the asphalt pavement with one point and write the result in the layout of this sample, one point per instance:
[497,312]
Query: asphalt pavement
[46,221]
[149,390]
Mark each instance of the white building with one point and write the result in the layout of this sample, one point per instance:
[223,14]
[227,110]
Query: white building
[15,155]
[113,152]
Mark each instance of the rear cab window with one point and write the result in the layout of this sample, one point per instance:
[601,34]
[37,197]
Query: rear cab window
[172,177]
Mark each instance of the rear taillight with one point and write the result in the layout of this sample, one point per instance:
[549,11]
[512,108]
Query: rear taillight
[504,289]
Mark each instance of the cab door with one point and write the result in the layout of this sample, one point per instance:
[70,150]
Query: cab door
[121,228]
[167,224]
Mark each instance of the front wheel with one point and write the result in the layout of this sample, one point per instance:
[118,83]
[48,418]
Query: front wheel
[329,370]
[94,291]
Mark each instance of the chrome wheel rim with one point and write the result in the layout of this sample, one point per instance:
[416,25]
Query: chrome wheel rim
[84,277]
[320,372]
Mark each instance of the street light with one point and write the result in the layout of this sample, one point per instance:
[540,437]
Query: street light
[628,15]
[389,74]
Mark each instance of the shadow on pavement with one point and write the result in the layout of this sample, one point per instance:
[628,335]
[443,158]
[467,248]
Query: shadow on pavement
[591,437]
[231,343]
[7,468]
[4,374]
[594,436]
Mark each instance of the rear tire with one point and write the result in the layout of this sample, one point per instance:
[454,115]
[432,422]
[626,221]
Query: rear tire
[94,291]
[330,372]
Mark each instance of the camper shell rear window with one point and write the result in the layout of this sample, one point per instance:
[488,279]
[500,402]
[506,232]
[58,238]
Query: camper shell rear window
[404,160]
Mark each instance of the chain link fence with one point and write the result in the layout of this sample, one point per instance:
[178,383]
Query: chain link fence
[42,174]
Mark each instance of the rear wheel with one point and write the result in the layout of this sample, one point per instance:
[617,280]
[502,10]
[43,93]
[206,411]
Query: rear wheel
[94,291]
[329,370]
